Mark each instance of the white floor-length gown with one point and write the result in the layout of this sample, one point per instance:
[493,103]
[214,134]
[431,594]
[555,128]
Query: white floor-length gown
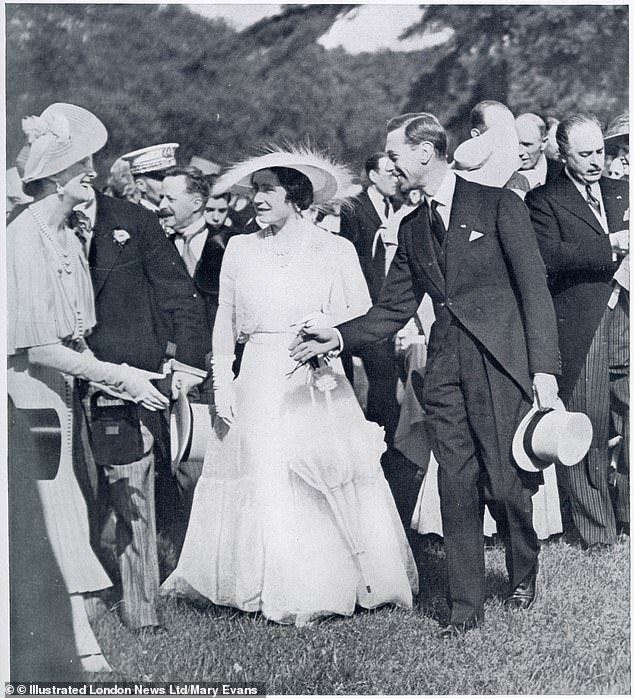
[292,515]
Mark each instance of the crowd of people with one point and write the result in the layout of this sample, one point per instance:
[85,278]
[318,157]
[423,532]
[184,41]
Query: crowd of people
[444,350]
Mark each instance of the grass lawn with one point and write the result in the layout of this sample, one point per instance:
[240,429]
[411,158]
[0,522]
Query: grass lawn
[575,639]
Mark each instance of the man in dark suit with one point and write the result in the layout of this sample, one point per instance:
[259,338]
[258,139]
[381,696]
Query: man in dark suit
[492,352]
[366,226]
[533,137]
[581,221]
[371,224]
[147,310]
[184,194]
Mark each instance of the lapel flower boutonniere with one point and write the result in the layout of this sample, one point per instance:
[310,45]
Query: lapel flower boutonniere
[120,236]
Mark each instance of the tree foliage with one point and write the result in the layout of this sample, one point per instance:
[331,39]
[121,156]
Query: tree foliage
[158,73]
[548,59]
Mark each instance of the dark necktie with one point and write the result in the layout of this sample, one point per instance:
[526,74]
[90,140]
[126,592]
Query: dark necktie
[436,223]
[386,210]
[592,199]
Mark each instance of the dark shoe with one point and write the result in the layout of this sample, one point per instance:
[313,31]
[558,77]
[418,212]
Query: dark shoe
[150,630]
[524,594]
[597,547]
[454,630]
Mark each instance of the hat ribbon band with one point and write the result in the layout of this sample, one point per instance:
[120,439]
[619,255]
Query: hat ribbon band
[528,437]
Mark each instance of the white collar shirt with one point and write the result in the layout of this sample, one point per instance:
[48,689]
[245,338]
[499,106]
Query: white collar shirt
[388,230]
[444,197]
[596,192]
[197,230]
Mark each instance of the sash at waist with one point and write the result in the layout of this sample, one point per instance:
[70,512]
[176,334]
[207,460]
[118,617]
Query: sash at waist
[272,338]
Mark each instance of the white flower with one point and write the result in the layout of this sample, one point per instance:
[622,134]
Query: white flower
[57,125]
[324,379]
[120,236]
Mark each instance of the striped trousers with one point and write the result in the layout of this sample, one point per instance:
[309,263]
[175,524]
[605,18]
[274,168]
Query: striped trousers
[128,491]
[131,494]
[602,392]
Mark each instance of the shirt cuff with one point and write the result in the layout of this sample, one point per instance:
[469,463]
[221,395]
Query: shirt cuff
[336,352]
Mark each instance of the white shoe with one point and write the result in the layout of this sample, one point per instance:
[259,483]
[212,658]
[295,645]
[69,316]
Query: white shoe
[95,664]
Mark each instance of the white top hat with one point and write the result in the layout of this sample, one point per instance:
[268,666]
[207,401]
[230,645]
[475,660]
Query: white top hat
[190,430]
[551,436]
[151,159]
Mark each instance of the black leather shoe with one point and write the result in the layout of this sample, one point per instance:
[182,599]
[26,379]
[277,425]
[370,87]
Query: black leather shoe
[454,630]
[150,630]
[524,594]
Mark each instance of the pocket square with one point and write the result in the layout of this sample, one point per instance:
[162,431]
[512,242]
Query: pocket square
[475,235]
[626,216]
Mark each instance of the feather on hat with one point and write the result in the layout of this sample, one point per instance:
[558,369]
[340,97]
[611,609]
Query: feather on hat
[332,182]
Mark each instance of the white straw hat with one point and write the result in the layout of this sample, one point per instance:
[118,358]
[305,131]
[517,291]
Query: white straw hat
[330,180]
[551,436]
[61,136]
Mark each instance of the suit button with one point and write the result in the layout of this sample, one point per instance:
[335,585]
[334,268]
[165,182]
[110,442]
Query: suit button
[195,295]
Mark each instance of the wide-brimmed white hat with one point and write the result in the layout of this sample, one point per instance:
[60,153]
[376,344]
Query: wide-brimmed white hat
[330,180]
[62,135]
[190,430]
[551,436]
[152,158]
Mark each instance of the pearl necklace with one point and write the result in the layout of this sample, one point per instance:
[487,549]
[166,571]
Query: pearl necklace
[283,259]
[63,255]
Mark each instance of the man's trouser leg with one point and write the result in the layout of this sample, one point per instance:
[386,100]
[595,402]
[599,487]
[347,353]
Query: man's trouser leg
[587,482]
[131,491]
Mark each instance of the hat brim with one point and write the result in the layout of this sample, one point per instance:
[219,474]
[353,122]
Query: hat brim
[330,181]
[522,458]
[180,429]
[88,136]
[190,430]
[239,180]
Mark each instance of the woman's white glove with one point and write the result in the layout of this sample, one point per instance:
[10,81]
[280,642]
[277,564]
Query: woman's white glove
[224,390]
[136,382]
[120,377]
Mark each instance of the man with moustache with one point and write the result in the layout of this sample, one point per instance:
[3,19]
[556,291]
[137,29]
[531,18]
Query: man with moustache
[581,220]
[492,353]
[184,193]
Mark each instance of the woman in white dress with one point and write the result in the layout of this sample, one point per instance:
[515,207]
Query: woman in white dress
[51,308]
[292,515]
